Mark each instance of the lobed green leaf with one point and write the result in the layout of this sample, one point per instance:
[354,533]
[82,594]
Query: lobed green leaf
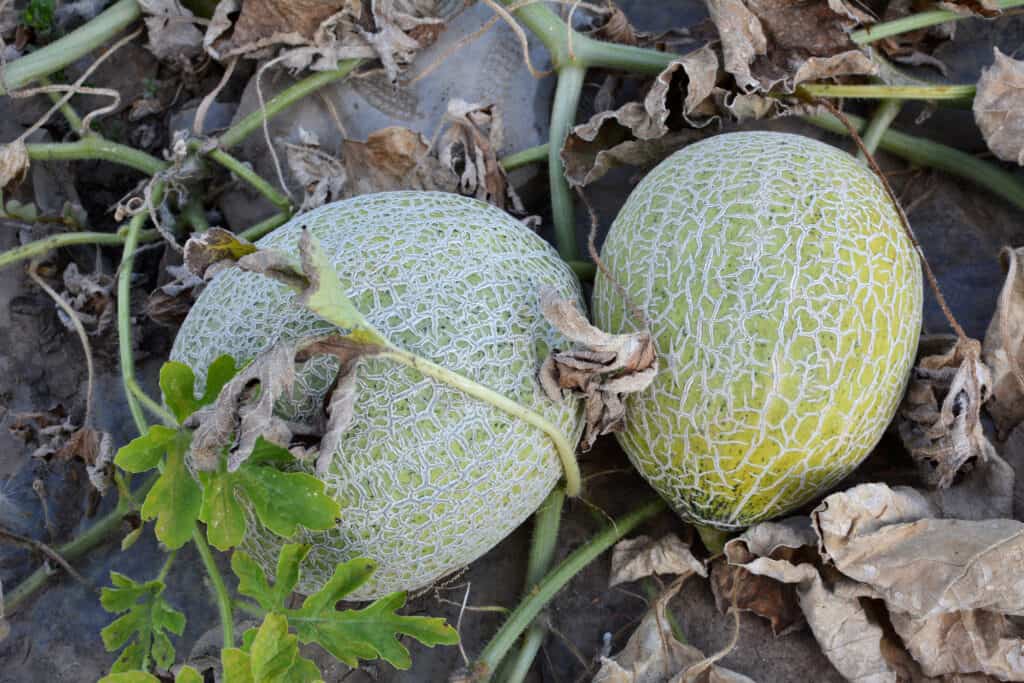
[175,499]
[271,656]
[144,625]
[144,452]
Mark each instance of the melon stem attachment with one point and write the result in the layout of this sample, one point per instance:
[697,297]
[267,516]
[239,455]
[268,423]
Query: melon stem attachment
[713,539]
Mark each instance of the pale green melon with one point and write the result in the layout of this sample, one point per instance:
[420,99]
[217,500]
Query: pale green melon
[428,478]
[785,303]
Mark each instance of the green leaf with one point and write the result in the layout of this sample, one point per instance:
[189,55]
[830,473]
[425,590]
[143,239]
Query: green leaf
[188,675]
[273,657]
[144,452]
[178,385]
[131,538]
[144,625]
[132,677]
[175,499]
[252,581]
[369,633]
[287,576]
[282,500]
[220,372]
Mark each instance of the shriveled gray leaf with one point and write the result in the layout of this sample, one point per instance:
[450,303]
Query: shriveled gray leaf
[322,175]
[890,540]
[601,367]
[236,420]
[999,107]
[769,44]
[101,470]
[637,133]
[653,655]
[14,163]
[1003,347]
[91,296]
[963,642]
[171,29]
[635,558]
[939,420]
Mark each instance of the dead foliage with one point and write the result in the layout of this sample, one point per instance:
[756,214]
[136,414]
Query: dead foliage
[999,107]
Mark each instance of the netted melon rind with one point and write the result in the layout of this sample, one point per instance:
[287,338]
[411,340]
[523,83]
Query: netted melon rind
[427,477]
[785,302]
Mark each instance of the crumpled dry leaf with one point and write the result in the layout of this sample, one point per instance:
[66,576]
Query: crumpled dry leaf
[171,302]
[469,147]
[791,540]
[770,43]
[320,33]
[637,133]
[14,163]
[322,175]
[92,298]
[205,251]
[999,107]
[236,420]
[980,8]
[601,368]
[653,655]
[394,158]
[47,430]
[635,558]
[96,450]
[939,421]
[171,30]
[1004,345]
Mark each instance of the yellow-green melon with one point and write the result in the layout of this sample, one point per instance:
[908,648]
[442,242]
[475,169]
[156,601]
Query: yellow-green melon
[428,478]
[785,303]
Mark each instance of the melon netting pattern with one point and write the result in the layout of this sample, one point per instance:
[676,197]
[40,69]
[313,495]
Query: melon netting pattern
[428,478]
[785,302]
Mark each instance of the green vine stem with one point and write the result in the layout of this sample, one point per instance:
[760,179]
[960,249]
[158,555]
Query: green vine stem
[885,113]
[563,115]
[566,451]
[71,47]
[124,323]
[546,522]
[246,173]
[958,93]
[530,155]
[46,244]
[544,591]
[99,532]
[66,110]
[286,98]
[95,147]
[927,153]
[584,270]
[220,589]
[914,22]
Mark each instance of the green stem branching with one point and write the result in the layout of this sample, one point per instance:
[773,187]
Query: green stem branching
[956,93]
[916,21]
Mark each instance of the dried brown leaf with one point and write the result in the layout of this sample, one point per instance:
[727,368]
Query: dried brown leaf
[14,163]
[1004,346]
[46,430]
[91,296]
[940,418]
[171,302]
[265,23]
[601,367]
[635,558]
[394,158]
[781,43]
[213,246]
[963,642]
[322,175]
[653,655]
[638,133]
[889,540]
[999,107]
[733,585]
[980,8]
[171,30]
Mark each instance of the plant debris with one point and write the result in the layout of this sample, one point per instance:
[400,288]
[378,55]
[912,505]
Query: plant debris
[321,175]
[635,558]
[999,107]
[14,163]
[1004,345]
[171,30]
[601,369]
[654,655]
[92,298]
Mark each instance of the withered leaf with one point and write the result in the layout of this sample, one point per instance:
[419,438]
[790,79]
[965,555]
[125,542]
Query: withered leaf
[601,368]
[780,43]
[791,541]
[963,642]
[981,8]
[213,246]
[939,421]
[639,134]
[1004,345]
[635,558]
[171,302]
[91,296]
[47,430]
[14,163]
[394,158]
[322,175]
[999,107]
[171,30]
[888,539]
[653,655]
[264,23]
